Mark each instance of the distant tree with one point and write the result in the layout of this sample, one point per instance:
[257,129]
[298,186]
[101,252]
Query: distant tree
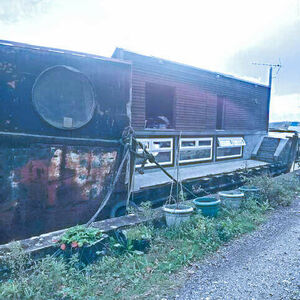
[12,11]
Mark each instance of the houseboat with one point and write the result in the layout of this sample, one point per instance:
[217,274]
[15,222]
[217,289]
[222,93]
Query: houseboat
[63,115]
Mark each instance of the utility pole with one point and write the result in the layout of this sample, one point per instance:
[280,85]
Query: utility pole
[270,77]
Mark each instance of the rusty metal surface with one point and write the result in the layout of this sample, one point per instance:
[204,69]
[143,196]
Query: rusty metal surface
[51,187]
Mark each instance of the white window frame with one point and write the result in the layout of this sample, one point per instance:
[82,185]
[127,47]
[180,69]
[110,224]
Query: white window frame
[196,147]
[230,142]
[153,149]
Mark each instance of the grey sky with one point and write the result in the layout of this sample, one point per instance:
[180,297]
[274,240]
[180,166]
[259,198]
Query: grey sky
[225,36]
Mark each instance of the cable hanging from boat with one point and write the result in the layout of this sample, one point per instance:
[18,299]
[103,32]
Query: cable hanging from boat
[130,144]
[112,187]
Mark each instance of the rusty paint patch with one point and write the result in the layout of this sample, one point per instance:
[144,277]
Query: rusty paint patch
[83,171]
[90,170]
[60,189]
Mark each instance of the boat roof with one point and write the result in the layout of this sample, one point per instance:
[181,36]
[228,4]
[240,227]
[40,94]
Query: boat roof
[62,51]
[147,57]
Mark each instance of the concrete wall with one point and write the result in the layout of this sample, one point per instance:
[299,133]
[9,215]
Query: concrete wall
[251,141]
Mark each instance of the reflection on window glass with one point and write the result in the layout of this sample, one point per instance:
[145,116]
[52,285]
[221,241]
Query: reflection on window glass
[195,149]
[204,143]
[160,157]
[230,151]
[166,144]
[161,148]
[195,154]
[188,143]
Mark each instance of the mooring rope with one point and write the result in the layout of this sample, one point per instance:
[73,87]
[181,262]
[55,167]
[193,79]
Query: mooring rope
[128,140]
[112,187]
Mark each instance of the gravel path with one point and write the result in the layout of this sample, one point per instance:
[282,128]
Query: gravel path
[262,265]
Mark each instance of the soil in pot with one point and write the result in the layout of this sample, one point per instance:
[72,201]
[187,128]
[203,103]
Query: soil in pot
[231,199]
[176,214]
[208,206]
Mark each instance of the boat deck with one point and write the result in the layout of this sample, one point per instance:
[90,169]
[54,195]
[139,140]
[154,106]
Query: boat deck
[154,177]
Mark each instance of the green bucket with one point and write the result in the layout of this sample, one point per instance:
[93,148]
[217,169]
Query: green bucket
[208,206]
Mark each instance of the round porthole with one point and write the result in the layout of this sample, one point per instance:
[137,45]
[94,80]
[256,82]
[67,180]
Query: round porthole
[64,97]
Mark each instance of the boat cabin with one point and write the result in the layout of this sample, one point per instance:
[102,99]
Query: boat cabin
[206,117]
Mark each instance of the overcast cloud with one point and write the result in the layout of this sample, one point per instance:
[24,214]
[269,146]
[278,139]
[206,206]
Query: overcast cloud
[225,36]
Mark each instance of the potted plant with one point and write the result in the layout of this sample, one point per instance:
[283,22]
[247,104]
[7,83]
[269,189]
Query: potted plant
[87,242]
[139,237]
[208,206]
[136,239]
[231,199]
[178,212]
[251,192]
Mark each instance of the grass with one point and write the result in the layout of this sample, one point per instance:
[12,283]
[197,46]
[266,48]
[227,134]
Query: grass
[133,275]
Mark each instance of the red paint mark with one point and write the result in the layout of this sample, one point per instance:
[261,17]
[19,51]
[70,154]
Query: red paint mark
[34,171]
[67,174]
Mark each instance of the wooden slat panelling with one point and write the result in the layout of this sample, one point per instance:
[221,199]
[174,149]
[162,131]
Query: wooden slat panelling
[196,94]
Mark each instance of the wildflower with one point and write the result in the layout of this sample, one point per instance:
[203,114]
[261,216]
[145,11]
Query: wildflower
[74,244]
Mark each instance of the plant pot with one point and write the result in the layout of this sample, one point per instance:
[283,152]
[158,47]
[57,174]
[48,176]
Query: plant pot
[142,245]
[208,206]
[87,253]
[176,214]
[251,192]
[231,199]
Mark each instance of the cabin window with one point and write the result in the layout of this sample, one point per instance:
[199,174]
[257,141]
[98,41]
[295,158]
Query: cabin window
[220,112]
[159,106]
[230,147]
[195,149]
[161,148]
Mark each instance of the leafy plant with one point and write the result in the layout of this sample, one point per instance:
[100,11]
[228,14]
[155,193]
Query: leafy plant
[133,240]
[276,191]
[139,232]
[16,263]
[79,236]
